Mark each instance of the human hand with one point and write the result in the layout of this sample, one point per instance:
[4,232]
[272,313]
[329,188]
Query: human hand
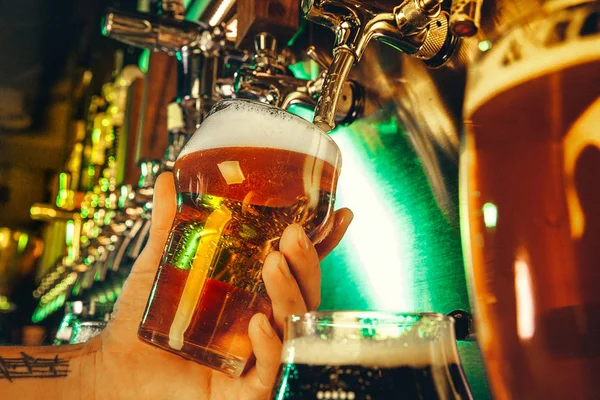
[127,368]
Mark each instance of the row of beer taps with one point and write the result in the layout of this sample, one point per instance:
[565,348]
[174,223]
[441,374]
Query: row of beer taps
[115,218]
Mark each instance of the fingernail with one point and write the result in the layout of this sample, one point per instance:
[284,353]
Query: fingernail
[340,222]
[303,239]
[283,267]
[265,326]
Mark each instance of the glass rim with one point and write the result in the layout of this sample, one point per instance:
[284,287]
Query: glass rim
[277,109]
[384,315]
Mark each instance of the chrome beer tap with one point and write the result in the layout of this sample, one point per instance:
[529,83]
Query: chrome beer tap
[201,52]
[267,79]
[416,27]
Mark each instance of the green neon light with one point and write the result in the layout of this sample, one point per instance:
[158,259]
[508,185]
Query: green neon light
[144,170]
[63,190]
[123,197]
[22,243]
[144,60]
[143,5]
[96,135]
[69,232]
[299,70]
[4,303]
[485,45]
[76,287]
[490,215]
[195,9]
[388,274]
[302,111]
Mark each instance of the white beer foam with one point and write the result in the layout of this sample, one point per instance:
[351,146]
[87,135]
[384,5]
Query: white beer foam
[249,124]
[491,77]
[368,353]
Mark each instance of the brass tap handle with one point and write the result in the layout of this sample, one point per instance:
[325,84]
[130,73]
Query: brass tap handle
[266,58]
[465,17]
[415,15]
[317,57]
[264,42]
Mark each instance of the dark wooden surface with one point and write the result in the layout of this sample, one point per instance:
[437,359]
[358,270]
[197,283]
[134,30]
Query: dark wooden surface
[160,90]
[279,17]
[132,123]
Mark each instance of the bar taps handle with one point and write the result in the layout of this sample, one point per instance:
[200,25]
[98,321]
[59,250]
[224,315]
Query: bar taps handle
[317,57]
[416,27]
[465,17]
[157,33]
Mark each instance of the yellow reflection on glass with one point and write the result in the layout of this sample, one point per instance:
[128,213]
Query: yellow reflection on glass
[524,297]
[231,172]
[582,134]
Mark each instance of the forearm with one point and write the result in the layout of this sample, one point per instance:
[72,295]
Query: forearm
[49,372]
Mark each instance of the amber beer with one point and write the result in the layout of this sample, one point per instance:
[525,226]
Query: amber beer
[531,193]
[249,172]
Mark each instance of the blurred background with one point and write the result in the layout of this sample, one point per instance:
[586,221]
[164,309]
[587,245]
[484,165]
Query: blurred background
[48,50]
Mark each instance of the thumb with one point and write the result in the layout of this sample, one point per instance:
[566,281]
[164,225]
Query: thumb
[134,295]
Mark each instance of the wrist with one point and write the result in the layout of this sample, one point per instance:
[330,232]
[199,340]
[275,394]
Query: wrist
[84,372]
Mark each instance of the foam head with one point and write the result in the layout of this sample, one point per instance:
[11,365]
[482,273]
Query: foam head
[367,353]
[242,123]
[371,339]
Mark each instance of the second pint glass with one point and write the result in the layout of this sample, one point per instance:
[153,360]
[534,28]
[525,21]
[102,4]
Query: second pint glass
[531,203]
[370,355]
[246,174]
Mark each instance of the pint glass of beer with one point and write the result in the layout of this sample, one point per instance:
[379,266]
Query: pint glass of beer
[247,173]
[530,199]
[370,355]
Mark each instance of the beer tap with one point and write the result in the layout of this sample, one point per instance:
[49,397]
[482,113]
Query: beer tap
[267,79]
[416,27]
[201,53]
